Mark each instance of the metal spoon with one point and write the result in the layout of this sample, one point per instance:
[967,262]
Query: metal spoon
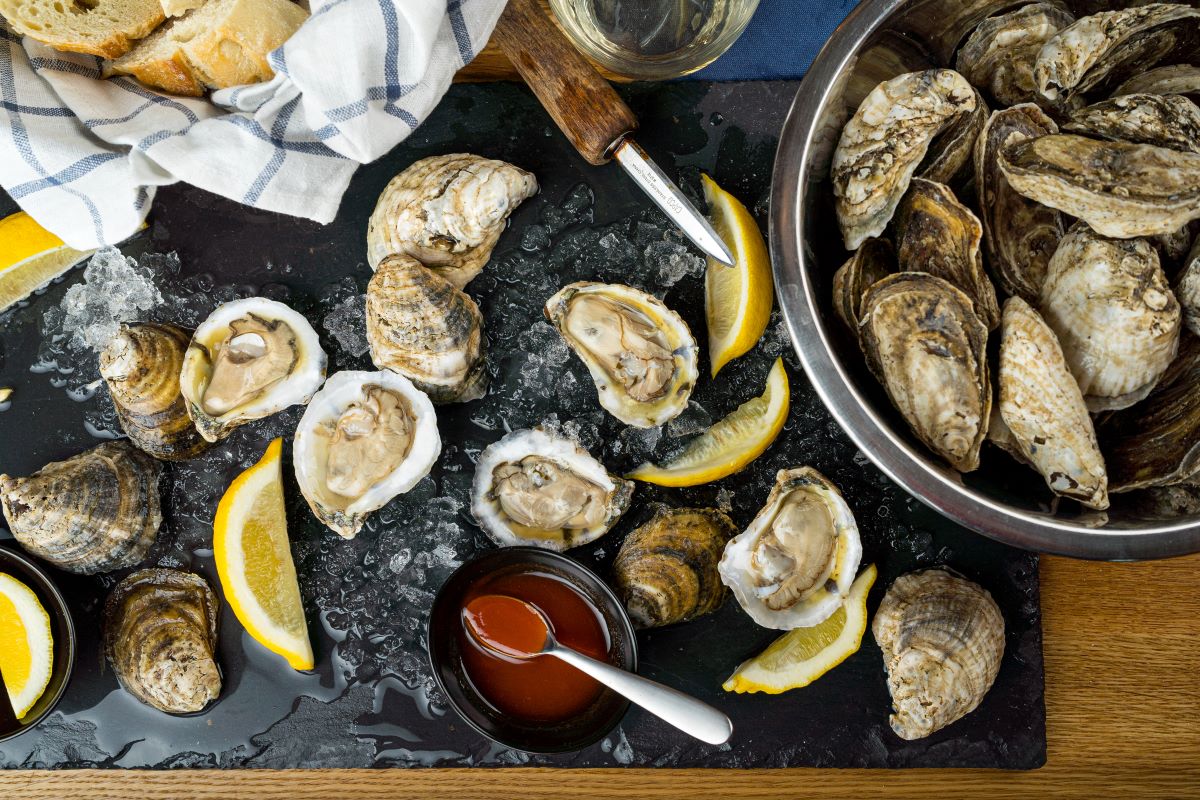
[683,711]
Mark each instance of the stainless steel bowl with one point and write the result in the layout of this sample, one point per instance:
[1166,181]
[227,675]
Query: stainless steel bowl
[881,39]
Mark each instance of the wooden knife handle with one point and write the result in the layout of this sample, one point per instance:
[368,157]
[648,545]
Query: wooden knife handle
[584,105]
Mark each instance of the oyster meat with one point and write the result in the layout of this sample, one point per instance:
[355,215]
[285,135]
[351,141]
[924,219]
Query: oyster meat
[1019,235]
[793,566]
[248,360]
[447,212]
[886,140]
[928,347]
[420,325]
[1188,289]
[160,635]
[938,235]
[641,354]
[1170,121]
[666,570]
[1121,189]
[1043,408]
[365,438]
[873,261]
[1175,79]
[942,639]
[1000,53]
[1118,322]
[141,367]
[537,487]
[95,512]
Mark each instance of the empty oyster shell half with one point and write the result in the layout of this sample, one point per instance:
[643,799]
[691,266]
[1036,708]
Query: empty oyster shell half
[666,570]
[95,512]
[886,140]
[141,367]
[365,438]
[640,354]
[421,326]
[939,235]
[1108,302]
[160,635]
[537,487]
[1000,53]
[928,347]
[248,360]
[1170,121]
[447,212]
[1106,48]
[1043,408]
[1187,291]
[942,639]
[792,567]
[1174,79]
[1120,189]
[873,261]
[1019,235]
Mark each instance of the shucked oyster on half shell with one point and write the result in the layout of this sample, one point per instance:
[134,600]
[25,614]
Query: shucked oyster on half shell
[999,55]
[537,487]
[95,512]
[928,347]
[792,567]
[447,212]
[248,360]
[1170,121]
[873,261]
[365,438]
[640,354]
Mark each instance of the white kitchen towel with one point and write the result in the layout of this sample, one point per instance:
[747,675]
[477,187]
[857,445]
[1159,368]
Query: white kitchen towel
[84,156]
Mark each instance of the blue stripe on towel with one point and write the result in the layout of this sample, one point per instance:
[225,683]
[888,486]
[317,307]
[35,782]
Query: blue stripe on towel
[462,36]
[64,176]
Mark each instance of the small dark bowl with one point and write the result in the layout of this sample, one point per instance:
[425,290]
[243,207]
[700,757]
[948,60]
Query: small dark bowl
[444,626]
[63,630]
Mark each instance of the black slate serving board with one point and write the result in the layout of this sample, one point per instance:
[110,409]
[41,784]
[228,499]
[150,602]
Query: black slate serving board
[372,701]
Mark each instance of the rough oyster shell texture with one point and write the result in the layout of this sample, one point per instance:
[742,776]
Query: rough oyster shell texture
[160,635]
[886,140]
[942,639]
[1000,53]
[873,261]
[1170,121]
[1187,290]
[421,325]
[447,212]
[666,570]
[95,512]
[1174,79]
[951,149]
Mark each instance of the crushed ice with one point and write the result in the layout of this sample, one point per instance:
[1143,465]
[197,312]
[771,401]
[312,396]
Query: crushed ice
[115,289]
[346,323]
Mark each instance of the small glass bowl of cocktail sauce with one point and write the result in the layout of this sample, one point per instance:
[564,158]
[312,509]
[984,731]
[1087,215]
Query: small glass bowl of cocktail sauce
[540,704]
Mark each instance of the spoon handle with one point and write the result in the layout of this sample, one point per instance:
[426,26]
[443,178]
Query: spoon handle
[683,711]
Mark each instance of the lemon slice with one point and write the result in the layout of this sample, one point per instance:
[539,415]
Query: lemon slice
[254,560]
[801,656]
[26,644]
[30,257]
[730,444]
[737,300]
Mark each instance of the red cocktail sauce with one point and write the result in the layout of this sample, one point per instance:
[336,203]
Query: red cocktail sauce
[538,688]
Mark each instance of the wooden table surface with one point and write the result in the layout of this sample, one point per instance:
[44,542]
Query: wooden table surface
[1122,645]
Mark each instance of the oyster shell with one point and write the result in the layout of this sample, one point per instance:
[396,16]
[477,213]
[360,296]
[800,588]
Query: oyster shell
[640,353]
[365,438]
[248,360]
[873,261]
[1019,235]
[141,367]
[537,487]
[1173,248]
[1187,290]
[666,570]
[420,325]
[1176,79]
[928,347]
[1043,408]
[951,150]
[1108,302]
[792,567]
[447,212]
[1170,121]
[94,512]
[1120,189]
[939,235]
[886,140]
[160,635]
[1000,53]
[1167,502]
[942,639]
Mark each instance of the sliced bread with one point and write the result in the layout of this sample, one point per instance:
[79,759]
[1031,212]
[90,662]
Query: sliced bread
[106,28]
[222,43]
[177,8]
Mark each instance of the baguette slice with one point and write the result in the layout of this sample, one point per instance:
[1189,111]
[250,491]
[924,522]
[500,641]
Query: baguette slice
[177,8]
[106,28]
[222,43]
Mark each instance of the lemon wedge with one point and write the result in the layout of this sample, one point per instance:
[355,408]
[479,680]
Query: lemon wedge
[30,257]
[27,652]
[801,656]
[254,560]
[738,299]
[730,444]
